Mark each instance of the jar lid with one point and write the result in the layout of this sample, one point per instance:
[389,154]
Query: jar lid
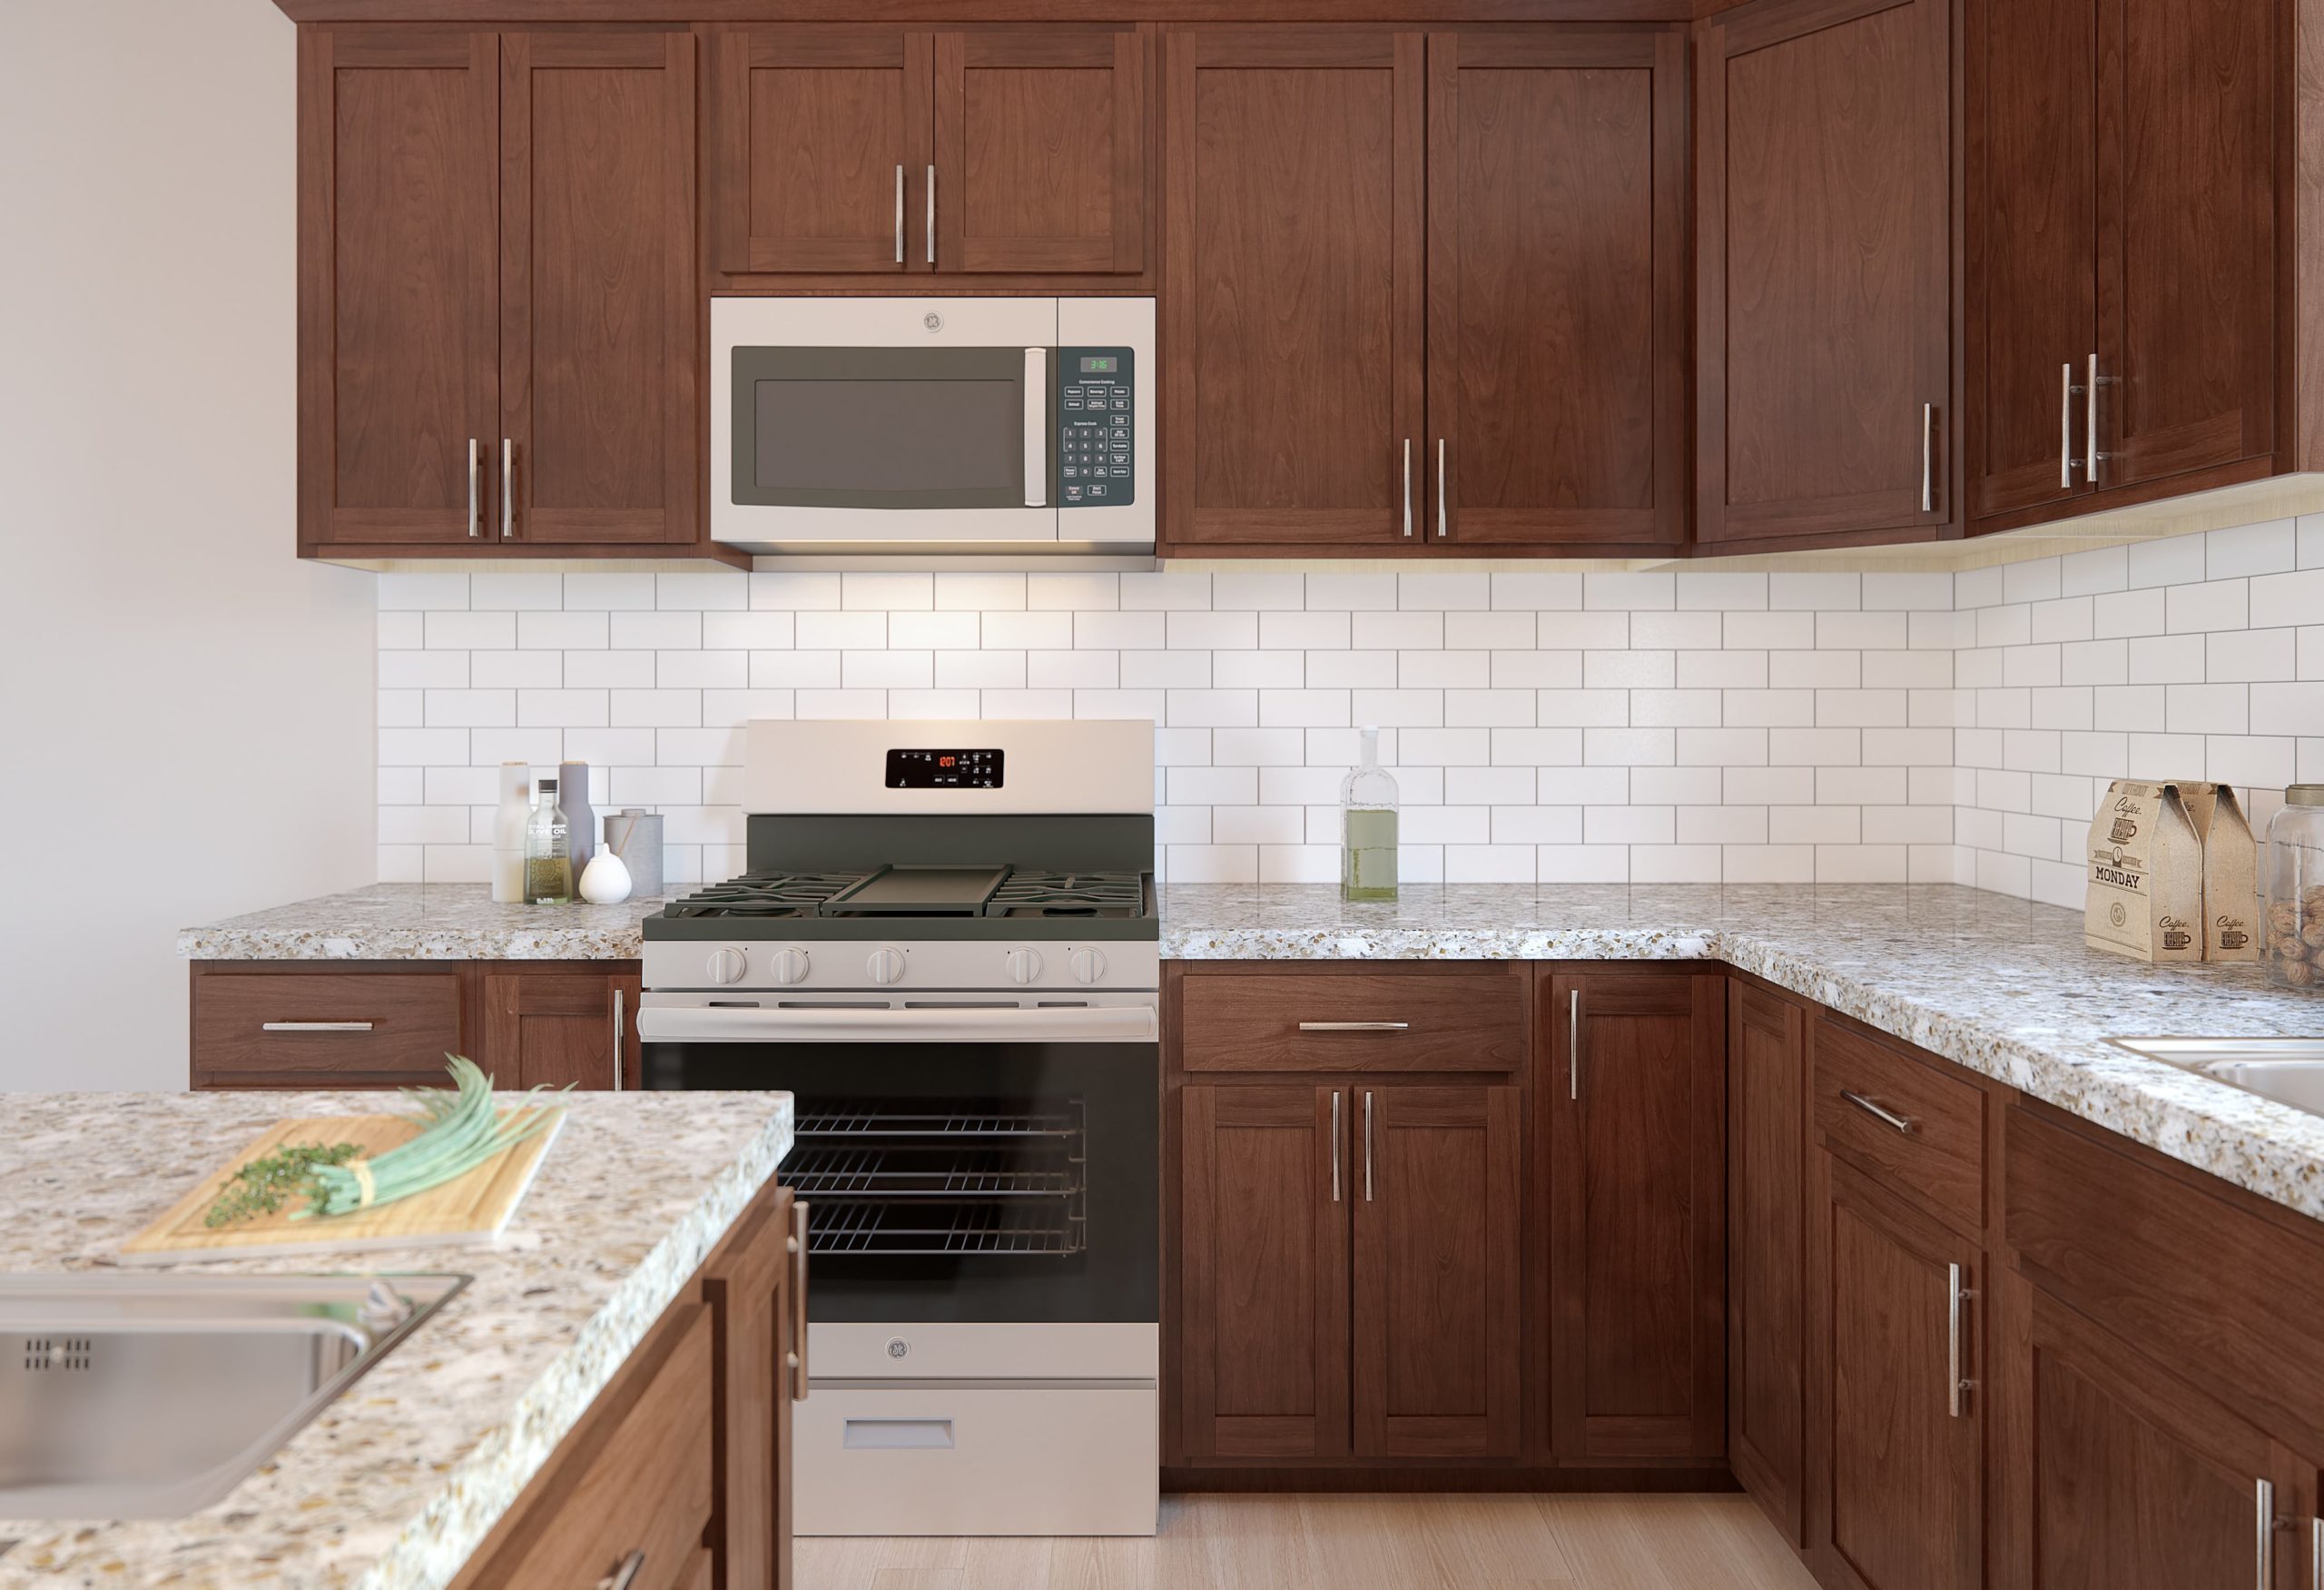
[2305,794]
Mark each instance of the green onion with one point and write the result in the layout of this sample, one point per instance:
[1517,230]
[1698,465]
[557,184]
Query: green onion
[460,1129]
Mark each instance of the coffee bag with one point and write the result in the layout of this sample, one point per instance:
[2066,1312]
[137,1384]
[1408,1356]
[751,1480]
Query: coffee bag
[2145,894]
[2231,871]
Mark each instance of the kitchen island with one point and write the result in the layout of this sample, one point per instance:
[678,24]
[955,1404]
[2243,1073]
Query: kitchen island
[397,1482]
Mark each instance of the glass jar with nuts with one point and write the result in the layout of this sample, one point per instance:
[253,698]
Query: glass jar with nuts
[2295,951]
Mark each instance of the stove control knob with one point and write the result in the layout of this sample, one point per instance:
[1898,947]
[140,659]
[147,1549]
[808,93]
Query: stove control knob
[727,965]
[788,966]
[1024,965]
[1088,965]
[885,965]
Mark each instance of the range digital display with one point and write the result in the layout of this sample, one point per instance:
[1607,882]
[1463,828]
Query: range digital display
[916,769]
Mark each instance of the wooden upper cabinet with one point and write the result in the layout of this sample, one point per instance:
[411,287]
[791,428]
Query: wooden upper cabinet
[1823,277]
[398,346]
[1632,1093]
[2187,159]
[1265,1181]
[2032,248]
[598,296]
[1437,1195]
[1767,1230]
[821,149]
[1557,269]
[1041,150]
[1292,287]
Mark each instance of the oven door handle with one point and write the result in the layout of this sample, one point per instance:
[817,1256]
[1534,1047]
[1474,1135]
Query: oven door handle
[842,1025]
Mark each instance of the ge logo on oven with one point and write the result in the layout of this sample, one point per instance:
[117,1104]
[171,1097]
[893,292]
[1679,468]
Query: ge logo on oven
[898,1347]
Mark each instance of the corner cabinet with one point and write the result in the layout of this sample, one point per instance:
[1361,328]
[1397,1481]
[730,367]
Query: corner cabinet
[1822,274]
[1469,334]
[1767,1232]
[497,299]
[866,151]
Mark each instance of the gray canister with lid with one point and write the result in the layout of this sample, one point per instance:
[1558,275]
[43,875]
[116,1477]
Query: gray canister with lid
[635,835]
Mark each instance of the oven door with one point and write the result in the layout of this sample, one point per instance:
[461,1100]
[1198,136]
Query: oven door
[972,1164]
[839,422]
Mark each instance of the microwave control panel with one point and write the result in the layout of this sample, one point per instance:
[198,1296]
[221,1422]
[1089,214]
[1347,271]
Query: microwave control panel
[1096,465]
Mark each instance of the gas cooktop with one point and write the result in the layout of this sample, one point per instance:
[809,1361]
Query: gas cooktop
[945,901]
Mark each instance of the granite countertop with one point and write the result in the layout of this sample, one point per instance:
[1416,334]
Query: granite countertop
[2002,986]
[396,1483]
[426,921]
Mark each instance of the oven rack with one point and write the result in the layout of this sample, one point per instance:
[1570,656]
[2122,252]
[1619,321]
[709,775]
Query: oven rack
[870,1172]
[881,1229]
[867,1118]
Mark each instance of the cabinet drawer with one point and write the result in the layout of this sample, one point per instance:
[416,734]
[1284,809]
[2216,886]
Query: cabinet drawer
[324,1029]
[1377,1020]
[1904,1122]
[646,1483]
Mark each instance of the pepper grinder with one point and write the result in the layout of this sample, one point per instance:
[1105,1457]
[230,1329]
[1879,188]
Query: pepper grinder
[573,794]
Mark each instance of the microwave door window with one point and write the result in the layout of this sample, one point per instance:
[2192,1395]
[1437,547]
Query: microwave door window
[880,428]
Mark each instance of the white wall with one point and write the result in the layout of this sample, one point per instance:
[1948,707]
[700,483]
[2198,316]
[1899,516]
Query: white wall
[185,710]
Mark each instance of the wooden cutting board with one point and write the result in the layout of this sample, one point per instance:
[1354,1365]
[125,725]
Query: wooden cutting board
[468,1210]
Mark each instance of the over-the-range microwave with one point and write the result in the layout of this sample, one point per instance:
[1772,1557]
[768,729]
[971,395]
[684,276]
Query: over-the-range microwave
[979,431]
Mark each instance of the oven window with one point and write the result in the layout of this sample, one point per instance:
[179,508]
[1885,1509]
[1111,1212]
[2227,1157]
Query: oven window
[944,1176]
[882,428]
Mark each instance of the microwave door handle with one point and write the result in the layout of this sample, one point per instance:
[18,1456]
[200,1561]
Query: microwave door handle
[1037,427]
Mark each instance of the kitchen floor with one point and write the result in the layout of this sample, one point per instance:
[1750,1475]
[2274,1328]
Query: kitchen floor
[1563,1542]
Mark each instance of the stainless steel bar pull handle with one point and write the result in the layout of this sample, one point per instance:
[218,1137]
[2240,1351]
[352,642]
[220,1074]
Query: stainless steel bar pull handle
[2316,1554]
[507,488]
[625,1574]
[1439,488]
[2067,393]
[1886,1116]
[900,215]
[1956,1387]
[2090,411]
[621,1026]
[1408,487]
[797,1245]
[1355,1026]
[931,215]
[1367,1145]
[1573,1045]
[1928,473]
[2263,1497]
[476,487]
[1335,1145]
[314,1026]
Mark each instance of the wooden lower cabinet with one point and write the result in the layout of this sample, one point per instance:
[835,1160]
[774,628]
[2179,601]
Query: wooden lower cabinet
[1894,1497]
[390,1023]
[1767,1235]
[1631,1102]
[679,1473]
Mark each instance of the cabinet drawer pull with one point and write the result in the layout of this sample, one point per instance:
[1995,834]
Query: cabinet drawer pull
[899,213]
[1886,1116]
[622,1577]
[1367,1145]
[1335,1145]
[621,1035]
[1355,1026]
[314,1026]
[2263,1497]
[1956,1387]
[797,1358]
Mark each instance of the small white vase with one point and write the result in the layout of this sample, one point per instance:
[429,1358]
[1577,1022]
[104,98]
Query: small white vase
[606,880]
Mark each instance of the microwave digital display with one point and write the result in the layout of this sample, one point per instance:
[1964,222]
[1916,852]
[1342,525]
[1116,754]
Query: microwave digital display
[918,769]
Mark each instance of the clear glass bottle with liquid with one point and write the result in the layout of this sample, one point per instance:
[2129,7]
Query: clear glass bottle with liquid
[548,851]
[1368,826]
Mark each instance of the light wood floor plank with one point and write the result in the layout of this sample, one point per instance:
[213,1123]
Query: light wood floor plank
[1354,1543]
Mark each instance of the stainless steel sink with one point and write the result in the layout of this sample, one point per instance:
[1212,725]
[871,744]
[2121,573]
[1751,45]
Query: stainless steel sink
[150,1397]
[2290,1071]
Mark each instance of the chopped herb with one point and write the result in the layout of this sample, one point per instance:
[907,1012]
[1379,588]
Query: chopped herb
[267,1183]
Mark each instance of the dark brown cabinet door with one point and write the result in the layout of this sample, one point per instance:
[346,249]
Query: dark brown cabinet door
[1265,1183]
[1292,296]
[398,351]
[560,1028]
[1823,270]
[1766,1173]
[1557,354]
[2187,165]
[1633,1092]
[1437,1198]
[598,370]
[2132,1480]
[1040,150]
[1894,1491]
[2032,247]
[821,148]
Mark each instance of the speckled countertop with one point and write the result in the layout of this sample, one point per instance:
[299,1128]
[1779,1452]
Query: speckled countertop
[425,922]
[394,1484]
[2002,986]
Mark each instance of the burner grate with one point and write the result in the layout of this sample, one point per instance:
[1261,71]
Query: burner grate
[775,894]
[905,891]
[1040,893]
